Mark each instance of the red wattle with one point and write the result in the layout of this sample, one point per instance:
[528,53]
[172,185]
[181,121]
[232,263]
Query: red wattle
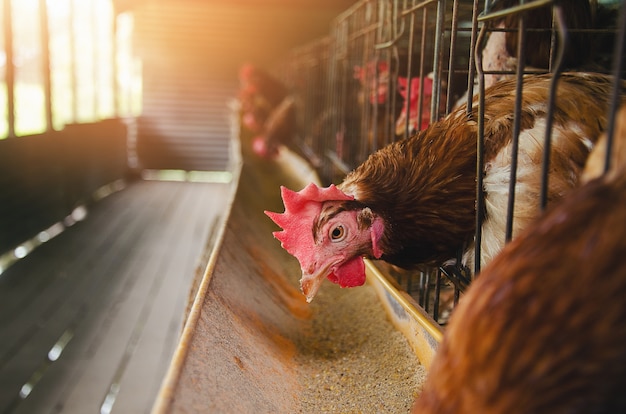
[350,274]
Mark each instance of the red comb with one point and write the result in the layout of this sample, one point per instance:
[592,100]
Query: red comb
[264,149]
[301,209]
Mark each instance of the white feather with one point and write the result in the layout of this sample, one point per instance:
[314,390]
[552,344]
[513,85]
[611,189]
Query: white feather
[527,188]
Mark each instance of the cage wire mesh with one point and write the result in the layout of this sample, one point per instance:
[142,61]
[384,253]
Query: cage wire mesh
[388,69]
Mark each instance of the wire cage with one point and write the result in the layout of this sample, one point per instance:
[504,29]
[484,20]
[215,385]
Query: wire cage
[390,68]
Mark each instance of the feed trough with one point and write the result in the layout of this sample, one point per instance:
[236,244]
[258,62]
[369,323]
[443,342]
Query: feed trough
[251,343]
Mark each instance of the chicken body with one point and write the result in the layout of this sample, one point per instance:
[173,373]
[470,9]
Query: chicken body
[500,53]
[377,101]
[418,120]
[279,129]
[260,93]
[269,111]
[421,192]
[542,330]
[501,50]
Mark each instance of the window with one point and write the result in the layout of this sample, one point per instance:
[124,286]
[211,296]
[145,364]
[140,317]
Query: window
[29,93]
[92,72]
[4,115]
[61,63]
[129,81]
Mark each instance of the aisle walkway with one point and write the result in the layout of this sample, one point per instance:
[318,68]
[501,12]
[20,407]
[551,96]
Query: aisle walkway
[89,320]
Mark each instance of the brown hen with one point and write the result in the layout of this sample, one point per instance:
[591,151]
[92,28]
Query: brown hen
[543,329]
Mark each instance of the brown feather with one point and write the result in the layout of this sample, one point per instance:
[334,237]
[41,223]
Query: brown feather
[542,330]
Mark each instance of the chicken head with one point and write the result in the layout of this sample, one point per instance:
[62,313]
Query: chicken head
[328,235]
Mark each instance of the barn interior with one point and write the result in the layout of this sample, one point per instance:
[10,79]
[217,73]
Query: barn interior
[138,271]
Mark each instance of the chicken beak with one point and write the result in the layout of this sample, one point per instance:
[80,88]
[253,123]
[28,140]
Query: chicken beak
[310,283]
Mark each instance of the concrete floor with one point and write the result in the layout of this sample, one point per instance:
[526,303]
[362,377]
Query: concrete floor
[89,320]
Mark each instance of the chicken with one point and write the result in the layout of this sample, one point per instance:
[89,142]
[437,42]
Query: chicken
[374,81]
[412,203]
[543,328]
[280,130]
[417,121]
[268,110]
[501,50]
[259,94]
[378,102]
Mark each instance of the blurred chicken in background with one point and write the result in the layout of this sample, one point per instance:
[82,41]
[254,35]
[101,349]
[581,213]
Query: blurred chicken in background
[378,100]
[268,110]
[418,116]
[374,79]
[259,94]
[584,50]
[279,129]
[501,50]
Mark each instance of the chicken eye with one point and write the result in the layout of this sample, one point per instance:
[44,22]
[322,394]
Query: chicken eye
[337,234]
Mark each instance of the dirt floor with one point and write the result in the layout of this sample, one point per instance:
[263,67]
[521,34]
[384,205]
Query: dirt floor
[258,347]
